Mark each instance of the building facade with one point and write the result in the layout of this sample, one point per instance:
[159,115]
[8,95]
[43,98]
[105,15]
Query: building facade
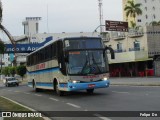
[150,12]
[134,51]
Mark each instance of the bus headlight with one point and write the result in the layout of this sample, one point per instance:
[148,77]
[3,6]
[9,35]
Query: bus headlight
[75,81]
[105,78]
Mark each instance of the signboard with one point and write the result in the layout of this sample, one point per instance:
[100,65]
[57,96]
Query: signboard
[116,26]
[26,48]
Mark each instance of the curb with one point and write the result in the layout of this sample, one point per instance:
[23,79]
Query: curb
[33,110]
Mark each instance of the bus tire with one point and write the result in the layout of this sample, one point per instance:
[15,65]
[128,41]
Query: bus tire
[90,91]
[56,89]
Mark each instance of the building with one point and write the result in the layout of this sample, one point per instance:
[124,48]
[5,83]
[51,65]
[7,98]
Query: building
[134,51]
[32,35]
[150,12]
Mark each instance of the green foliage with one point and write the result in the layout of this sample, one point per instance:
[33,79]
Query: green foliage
[21,70]
[12,71]
[133,24]
[5,71]
[2,47]
[155,23]
[133,9]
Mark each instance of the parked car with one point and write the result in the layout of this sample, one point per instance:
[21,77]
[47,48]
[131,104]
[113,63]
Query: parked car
[11,81]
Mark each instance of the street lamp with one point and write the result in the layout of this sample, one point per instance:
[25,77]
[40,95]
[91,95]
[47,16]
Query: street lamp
[97,28]
[100,15]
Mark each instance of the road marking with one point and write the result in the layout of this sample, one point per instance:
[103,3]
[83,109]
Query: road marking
[73,105]
[38,95]
[17,91]
[53,99]
[45,118]
[101,117]
[121,92]
[26,93]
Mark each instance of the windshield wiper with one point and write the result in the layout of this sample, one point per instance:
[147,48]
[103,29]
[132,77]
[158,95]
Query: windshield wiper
[84,65]
[93,59]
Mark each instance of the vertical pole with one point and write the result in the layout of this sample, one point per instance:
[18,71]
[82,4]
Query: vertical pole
[100,16]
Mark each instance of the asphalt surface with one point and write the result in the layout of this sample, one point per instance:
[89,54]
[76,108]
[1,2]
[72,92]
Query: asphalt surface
[114,98]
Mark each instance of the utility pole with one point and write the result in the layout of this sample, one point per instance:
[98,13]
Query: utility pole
[100,15]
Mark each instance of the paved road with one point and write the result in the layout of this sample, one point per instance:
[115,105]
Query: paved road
[115,98]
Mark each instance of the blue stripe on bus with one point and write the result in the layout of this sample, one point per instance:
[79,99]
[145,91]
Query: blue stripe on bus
[41,84]
[44,71]
[44,84]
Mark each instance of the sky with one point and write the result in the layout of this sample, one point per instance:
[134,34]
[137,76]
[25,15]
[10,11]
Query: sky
[63,15]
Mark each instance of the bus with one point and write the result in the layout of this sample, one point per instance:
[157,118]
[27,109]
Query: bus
[69,64]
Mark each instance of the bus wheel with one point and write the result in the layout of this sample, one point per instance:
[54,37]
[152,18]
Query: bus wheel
[60,93]
[90,91]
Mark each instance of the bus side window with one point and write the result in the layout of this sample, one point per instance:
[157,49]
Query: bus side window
[60,56]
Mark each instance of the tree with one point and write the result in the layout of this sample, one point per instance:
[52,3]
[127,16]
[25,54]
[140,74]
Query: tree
[5,71]
[133,24]
[2,47]
[12,71]
[132,9]
[154,23]
[6,31]
[21,70]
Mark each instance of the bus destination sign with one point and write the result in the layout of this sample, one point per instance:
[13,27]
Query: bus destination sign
[116,26]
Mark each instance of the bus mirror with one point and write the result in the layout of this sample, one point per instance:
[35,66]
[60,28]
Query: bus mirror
[111,51]
[66,59]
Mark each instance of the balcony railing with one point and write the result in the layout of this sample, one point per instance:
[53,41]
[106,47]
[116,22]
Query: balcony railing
[119,51]
[136,34]
[119,37]
[106,39]
[136,49]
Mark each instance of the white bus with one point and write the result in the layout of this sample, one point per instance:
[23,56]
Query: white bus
[69,64]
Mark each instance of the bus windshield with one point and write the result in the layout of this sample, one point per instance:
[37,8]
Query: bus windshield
[87,62]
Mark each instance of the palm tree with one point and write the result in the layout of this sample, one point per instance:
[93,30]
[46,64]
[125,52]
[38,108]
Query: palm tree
[133,24]
[2,49]
[6,31]
[153,23]
[132,9]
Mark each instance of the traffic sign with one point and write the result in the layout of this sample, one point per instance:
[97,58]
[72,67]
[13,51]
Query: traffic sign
[116,26]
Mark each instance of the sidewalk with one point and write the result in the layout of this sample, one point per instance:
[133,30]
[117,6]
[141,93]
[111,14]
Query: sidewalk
[137,81]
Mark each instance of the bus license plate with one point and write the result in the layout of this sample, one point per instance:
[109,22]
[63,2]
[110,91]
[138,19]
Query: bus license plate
[91,85]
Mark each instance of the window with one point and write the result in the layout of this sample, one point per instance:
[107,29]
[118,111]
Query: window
[36,27]
[154,16]
[136,45]
[146,16]
[146,8]
[153,8]
[119,47]
[139,20]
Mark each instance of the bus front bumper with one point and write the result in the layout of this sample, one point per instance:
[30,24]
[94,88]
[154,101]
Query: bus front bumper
[88,85]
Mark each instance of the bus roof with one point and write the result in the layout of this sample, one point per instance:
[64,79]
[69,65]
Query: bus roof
[62,39]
